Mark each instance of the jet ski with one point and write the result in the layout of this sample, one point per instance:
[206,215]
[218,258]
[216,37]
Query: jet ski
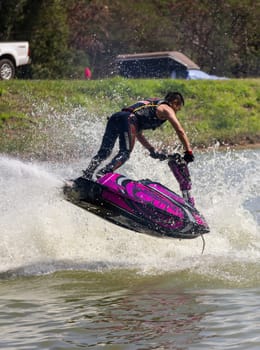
[143,206]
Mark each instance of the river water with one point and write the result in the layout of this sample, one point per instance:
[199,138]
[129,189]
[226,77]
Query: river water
[69,280]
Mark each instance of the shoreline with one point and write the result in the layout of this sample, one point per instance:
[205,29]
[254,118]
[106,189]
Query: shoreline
[230,146]
[37,121]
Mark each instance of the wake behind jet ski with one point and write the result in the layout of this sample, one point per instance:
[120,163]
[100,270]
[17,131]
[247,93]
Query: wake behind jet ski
[143,206]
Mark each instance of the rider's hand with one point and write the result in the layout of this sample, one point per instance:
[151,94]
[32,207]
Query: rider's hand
[188,157]
[158,155]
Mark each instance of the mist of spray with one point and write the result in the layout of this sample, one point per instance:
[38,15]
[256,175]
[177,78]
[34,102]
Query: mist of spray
[41,232]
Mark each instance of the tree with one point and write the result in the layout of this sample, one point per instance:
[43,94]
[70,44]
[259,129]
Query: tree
[89,23]
[221,36]
[67,35]
[244,16]
[14,19]
[49,41]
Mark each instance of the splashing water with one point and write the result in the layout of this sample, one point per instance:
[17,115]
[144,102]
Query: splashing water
[41,232]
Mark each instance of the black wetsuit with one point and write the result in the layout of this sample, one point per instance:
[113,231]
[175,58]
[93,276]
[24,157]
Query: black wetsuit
[125,125]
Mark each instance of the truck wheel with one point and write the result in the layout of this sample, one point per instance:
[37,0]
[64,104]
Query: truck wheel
[7,69]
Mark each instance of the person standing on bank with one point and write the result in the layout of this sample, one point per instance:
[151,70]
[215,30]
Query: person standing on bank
[87,73]
[128,125]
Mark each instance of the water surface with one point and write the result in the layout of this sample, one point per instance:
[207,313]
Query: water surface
[69,280]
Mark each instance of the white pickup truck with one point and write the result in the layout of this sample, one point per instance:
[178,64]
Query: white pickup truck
[13,55]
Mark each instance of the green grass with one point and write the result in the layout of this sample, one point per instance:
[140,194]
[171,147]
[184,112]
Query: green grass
[224,110]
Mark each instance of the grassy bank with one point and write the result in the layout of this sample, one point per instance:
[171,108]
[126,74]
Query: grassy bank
[227,111]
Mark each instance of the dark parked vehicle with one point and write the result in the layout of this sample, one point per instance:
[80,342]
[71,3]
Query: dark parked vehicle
[165,64]
[154,65]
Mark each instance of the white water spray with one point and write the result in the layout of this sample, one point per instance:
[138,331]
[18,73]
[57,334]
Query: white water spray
[41,232]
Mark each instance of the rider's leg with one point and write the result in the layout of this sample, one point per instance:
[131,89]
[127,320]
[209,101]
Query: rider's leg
[108,142]
[127,138]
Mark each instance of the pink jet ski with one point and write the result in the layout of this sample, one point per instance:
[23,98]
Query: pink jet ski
[143,206]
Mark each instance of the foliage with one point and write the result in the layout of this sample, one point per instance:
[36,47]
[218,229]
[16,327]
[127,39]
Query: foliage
[66,36]
[50,36]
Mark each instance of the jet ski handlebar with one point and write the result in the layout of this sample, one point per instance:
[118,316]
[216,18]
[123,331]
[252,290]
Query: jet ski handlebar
[177,157]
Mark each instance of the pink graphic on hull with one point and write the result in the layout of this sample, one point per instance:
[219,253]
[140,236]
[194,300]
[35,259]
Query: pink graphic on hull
[110,180]
[166,192]
[144,195]
[200,221]
[153,205]
[116,199]
[145,202]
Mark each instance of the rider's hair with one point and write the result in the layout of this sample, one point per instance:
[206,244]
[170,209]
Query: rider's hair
[173,95]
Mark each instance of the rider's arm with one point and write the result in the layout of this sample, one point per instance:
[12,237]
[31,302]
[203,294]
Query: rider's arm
[166,112]
[144,142]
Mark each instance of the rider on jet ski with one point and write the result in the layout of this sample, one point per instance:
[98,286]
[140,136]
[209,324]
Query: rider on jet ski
[128,125]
